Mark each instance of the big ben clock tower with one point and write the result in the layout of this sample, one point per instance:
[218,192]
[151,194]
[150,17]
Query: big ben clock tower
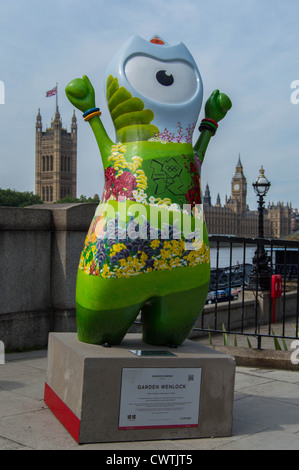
[239,187]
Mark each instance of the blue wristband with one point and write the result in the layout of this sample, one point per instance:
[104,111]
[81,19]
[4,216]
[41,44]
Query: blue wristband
[89,111]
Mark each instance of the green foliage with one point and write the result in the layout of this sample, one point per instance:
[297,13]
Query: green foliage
[227,339]
[277,344]
[82,198]
[284,344]
[12,198]
[297,331]
[210,338]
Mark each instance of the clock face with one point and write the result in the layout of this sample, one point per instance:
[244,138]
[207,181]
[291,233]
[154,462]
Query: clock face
[236,187]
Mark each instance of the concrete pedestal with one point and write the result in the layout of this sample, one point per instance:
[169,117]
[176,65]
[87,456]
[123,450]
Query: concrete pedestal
[135,391]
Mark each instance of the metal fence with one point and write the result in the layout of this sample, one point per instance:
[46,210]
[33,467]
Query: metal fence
[231,279]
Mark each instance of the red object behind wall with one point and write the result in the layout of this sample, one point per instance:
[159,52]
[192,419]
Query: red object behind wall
[276,291]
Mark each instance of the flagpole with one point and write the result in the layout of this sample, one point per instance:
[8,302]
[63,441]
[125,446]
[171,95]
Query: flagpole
[56,96]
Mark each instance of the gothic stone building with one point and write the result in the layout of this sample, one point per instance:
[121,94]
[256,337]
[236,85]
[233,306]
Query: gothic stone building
[235,218]
[55,159]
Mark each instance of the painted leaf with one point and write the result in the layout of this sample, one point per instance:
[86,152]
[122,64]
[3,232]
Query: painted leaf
[131,121]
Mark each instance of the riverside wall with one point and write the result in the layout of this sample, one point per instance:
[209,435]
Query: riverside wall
[40,249]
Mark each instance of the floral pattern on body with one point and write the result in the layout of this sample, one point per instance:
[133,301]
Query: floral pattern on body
[193,195]
[122,177]
[123,254]
[110,258]
[179,137]
[127,181]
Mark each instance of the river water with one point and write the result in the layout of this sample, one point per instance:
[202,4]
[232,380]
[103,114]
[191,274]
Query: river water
[237,256]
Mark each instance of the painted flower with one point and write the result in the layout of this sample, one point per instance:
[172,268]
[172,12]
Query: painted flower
[155,243]
[107,191]
[190,195]
[109,257]
[105,271]
[110,174]
[197,162]
[140,196]
[117,247]
[127,180]
[117,187]
[197,198]
[193,168]
[174,207]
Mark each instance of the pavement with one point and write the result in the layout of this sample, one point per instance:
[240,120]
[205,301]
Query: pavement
[265,417]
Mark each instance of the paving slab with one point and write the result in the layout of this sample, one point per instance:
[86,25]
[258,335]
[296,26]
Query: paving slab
[266,413]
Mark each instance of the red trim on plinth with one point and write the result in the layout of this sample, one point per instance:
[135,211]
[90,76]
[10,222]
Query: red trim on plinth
[62,412]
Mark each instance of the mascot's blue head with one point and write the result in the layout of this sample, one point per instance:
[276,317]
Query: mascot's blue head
[165,79]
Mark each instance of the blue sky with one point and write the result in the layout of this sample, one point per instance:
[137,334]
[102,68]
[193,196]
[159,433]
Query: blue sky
[249,50]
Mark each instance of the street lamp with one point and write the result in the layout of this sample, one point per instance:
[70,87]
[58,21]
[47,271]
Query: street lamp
[261,270]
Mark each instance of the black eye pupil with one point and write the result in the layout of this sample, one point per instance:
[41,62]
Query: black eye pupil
[164,79]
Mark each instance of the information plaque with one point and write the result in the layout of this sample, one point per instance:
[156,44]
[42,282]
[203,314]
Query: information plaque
[159,398]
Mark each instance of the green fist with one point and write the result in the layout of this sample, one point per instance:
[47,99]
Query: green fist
[81,94]
[217,106]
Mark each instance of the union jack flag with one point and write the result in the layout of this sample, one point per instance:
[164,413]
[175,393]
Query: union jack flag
[52,92]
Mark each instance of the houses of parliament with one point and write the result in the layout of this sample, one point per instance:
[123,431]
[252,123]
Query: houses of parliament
[56,178]
[55,159]
[235,218]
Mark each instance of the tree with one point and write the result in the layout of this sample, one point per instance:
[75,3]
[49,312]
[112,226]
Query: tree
[12,198]
[82,198]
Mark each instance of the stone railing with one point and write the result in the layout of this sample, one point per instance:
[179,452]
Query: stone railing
[40,248]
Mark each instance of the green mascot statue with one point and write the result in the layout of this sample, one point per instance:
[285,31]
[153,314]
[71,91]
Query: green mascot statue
[147,248]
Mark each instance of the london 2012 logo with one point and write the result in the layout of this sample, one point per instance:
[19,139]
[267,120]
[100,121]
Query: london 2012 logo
[2,92]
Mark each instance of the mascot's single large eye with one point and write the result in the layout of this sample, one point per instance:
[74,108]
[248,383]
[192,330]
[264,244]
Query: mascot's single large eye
[173,81]
[163,78]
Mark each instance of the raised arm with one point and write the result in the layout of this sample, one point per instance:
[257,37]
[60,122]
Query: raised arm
[80,93]
[215,109]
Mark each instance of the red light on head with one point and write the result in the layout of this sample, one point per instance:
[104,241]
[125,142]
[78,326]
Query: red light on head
[157,40]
